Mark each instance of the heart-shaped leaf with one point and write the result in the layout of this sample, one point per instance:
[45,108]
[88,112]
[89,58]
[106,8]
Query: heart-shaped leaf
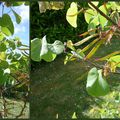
[57,47]
[40,49]
[71,15]
[6,24]
[96,84]
[18,18]
[90,15]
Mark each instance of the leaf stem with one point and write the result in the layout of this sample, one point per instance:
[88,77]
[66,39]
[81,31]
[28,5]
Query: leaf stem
[104,15]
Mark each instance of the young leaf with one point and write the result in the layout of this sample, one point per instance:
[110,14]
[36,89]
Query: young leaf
[18,18]
[71,15]
[70,45]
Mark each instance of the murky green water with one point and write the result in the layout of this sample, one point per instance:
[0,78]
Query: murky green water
[59,89]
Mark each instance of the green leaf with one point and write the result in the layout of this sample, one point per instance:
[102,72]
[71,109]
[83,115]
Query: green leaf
[2,56]
[74,116]
[108,56]
[3,47]
[49,56]
[95,3]
[96,84]
[71,14]
[103,21]
[115,59]
[3,64]
[89,15]
[69,44]
[40,50]
[57,47]
[18,18]
[3,77]
[46,53]
[17,3]
[115,6]
[35,49]
[91,26]
[1,36]
[6,24]
[12,44]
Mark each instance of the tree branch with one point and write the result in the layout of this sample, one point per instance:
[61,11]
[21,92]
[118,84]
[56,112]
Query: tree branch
[104,15]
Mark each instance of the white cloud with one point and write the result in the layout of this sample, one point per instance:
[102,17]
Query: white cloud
[19,28]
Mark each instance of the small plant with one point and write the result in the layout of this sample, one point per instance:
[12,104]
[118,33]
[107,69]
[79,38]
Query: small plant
[103,23]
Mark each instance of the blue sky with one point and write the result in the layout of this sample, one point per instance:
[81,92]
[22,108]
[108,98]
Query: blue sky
[20,30]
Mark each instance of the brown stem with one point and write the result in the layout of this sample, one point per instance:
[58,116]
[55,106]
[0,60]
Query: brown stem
[104,15]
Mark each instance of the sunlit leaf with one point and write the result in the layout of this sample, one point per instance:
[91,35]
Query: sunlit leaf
[54,5]
[71,15]
[2,55]
[74,116]
[89,15]
[70,45]
[1,36]
[115,59]
[49,56]
[57,47]
[95,3]
[6,24]
[108,56]
[40,49]
[103,21]
[44,48]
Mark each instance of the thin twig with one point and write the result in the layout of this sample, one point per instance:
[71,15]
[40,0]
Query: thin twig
[103,14]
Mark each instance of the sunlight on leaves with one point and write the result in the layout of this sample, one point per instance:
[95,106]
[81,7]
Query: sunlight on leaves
[71,15]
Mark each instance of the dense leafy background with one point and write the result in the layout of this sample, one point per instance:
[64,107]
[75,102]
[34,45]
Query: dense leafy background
[53,24]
